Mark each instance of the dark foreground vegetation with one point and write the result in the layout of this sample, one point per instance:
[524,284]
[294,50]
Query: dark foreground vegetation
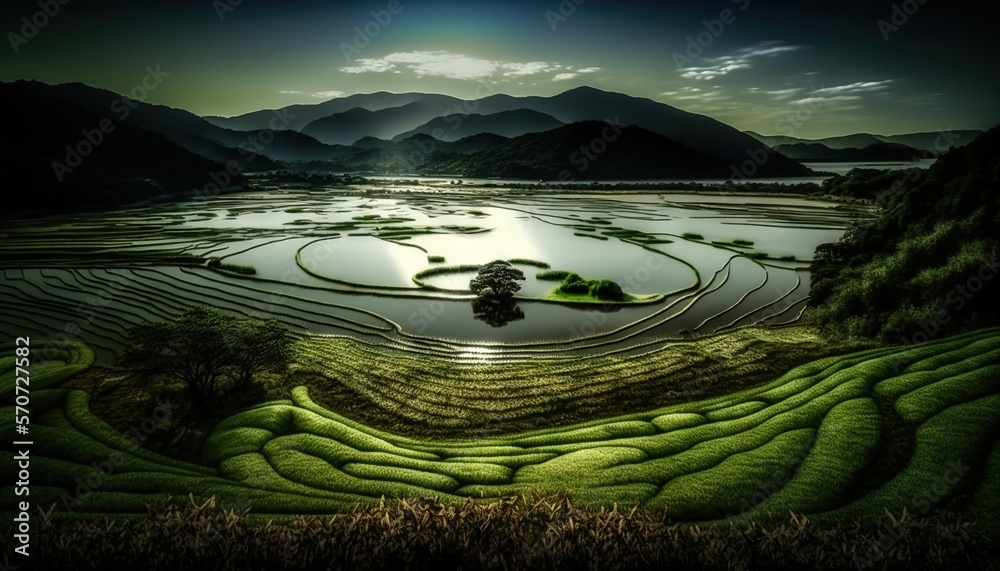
[517,533]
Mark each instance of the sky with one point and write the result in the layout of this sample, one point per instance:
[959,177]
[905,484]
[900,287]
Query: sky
[806,68]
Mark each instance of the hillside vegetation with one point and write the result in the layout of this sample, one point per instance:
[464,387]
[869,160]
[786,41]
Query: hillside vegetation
[927,264]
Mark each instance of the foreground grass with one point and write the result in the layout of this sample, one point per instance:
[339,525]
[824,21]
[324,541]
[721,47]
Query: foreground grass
[535,533]
[819,440]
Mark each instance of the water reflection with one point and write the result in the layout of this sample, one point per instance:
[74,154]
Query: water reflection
[496,311]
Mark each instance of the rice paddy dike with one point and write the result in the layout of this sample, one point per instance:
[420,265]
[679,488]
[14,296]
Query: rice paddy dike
[389,267]
[841,438]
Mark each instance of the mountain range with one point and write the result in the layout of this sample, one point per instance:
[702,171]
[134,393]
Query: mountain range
[938,141]
[817,152]
[584,134]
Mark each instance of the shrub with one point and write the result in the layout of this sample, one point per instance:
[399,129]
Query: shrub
[574,284]
[607,290]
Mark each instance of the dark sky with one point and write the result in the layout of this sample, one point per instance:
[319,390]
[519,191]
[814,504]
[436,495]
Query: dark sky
[828,62]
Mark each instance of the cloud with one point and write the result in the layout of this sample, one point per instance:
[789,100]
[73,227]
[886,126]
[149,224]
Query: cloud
[451,65]
[859,87]
[825,100]
[322,94]
[779,94]
[706,96]
[328,94]
[838,95]
[530,68]
[742,58]
[572,74]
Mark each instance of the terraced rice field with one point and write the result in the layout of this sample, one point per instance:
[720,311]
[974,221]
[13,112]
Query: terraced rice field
[846,436]
[345,263]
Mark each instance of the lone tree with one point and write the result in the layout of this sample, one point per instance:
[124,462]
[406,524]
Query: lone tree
[499,277]
[208,350]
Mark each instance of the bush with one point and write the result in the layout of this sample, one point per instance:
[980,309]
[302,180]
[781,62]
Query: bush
[573,283]
[606,289]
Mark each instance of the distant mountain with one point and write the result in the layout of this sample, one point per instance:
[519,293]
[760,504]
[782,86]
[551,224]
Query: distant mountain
[120,165]
[344,128]
[416,154]
[570,153]
[413,155]
[477,143]
[298,116]
[360,138]
[254,151]
[371,143]
[821,153]
[342,121]
[698,132]
[776,140]
[938,141]
[506,123]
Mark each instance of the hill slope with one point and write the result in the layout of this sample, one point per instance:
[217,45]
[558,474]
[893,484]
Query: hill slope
[697,132]
[927,264]
[506,124]
[588,150]
[128,164]
[254,150]
[876,152]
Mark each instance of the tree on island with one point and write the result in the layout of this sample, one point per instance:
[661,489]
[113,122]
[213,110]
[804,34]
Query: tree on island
[210,351]
[498,278]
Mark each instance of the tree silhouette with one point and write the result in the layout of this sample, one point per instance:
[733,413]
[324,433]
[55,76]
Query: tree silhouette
[499,277]
[208,350]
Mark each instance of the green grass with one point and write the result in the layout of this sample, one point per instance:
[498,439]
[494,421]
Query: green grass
[552,275]
[735,484]
[692,236]
[529,262]
[575,289]
[846,442]
[62,360]
[803,442]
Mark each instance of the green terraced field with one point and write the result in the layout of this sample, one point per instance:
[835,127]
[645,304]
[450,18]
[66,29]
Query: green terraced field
[814,441]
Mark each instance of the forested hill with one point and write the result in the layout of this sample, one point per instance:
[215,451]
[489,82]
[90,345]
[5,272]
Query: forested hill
[928,264]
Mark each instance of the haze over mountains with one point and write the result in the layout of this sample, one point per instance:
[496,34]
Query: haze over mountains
[581,134]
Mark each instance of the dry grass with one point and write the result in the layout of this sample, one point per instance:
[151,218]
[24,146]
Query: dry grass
[514,533]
